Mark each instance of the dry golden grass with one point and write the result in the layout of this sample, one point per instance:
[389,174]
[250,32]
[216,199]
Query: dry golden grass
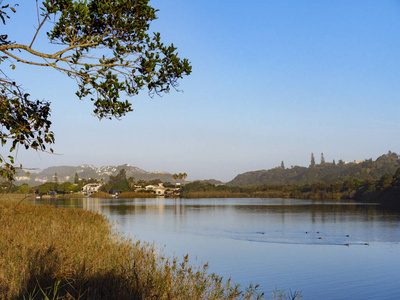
[73,254]
[136,195]
[101,194]
[15,197]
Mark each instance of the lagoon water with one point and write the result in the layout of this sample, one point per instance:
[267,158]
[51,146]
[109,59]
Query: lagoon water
[327,250]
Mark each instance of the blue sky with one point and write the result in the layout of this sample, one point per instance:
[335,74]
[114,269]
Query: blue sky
[271,81]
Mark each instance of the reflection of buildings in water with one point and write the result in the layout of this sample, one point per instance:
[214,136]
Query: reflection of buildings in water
[179,207]
[161,205]
[143,204]
[92,204]
[168,205]
[135,206]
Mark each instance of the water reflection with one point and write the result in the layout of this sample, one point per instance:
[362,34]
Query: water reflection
[258,220]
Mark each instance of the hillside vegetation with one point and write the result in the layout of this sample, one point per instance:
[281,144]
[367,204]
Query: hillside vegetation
[376,181]
[324,172]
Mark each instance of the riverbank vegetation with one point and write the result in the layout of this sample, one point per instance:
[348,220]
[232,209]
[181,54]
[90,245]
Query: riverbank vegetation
[199,189]
[385,190]
[101,194]
[58,253]
[143,194]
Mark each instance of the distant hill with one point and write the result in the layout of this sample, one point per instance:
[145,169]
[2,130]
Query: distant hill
[67,173]
[326,172]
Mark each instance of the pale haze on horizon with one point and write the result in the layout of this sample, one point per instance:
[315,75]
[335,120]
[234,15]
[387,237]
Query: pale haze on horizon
[272,81]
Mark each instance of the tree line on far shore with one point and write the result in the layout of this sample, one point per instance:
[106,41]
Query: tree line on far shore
[385,190]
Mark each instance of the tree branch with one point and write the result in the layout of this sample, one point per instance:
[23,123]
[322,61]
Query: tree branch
[40,26]
[56,55]
[27,61]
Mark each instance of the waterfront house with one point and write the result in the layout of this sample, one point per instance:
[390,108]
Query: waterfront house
[91,188]
[159,189]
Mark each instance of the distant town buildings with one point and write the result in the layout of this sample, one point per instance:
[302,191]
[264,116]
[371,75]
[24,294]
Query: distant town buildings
[21,178]
[353,162]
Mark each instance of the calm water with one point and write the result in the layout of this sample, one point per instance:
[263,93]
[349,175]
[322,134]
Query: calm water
[326,250]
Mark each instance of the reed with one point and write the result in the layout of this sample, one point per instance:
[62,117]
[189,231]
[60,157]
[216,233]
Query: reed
[58,253]
[15,197]
[137,195]
[235,194]
[101,194]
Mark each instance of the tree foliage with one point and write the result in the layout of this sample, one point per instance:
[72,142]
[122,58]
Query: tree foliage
[25,189]
[103,45]
[23,122]
[118,182]
[46,188]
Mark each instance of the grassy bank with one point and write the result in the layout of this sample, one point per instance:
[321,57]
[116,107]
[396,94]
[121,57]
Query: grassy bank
[15,197]
[231,194]
[137,195]
[101,194]
[198,189]
[72,195]
[73,254]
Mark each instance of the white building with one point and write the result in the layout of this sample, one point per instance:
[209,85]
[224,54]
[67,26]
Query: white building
[21,178]
[158,189]
[91,188]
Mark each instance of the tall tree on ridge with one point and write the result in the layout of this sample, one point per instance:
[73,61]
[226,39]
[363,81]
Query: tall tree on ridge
[55,179]
[76,179]
[312,164]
